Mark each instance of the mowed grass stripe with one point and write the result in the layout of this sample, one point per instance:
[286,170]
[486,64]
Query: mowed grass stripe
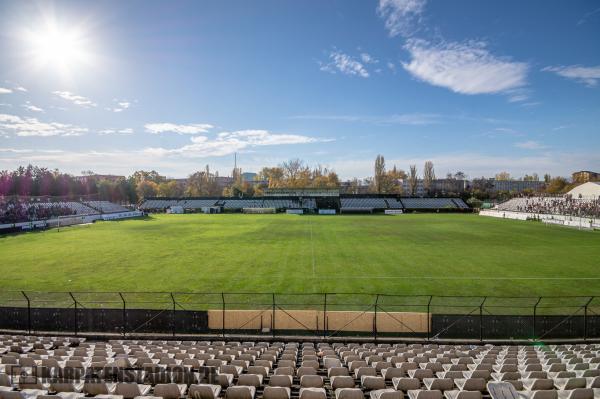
[407,254]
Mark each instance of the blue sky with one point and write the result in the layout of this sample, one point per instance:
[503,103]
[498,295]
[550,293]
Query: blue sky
[476,86]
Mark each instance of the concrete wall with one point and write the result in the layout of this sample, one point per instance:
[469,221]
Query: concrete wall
[313,320]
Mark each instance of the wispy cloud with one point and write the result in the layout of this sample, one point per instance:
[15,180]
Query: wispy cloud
[164,127]
[25,127]
[125,131]
[120,105]
[4,90]
[584,19]
[227,143]
[28,105]
[368,58]
[21,89]
[395,119]
[344,63]
[75,99]
[401,16]
[586,75]
[530,145]
[466,68]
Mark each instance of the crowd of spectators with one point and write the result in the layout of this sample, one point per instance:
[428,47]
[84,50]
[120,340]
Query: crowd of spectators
[16,210]
[566,205]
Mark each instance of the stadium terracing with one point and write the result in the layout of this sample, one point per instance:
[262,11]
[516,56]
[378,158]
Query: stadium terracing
[72,367]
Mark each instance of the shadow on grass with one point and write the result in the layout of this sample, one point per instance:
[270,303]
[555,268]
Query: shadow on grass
[14,232]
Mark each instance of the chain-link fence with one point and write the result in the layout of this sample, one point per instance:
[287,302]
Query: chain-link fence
[326,315]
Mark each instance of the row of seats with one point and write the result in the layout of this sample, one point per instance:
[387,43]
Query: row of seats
[34,367]
[106,206]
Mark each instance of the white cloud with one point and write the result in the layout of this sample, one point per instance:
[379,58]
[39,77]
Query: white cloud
[21,88]
[530,145]
[368,58]
[340,62]
[4,90]
[120,106]
[195,128]
[401,16]
[75,99]
[227,143]
[586,75]
[116,131]
[466,68]
[32,107]
[25,127]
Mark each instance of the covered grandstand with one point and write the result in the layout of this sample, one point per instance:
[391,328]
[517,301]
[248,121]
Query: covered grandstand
[341,203]
[18,213]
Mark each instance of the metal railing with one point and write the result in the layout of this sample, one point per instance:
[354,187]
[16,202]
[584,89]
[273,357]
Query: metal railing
[326,315]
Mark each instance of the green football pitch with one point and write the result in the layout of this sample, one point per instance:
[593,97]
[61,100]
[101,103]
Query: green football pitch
[440,254]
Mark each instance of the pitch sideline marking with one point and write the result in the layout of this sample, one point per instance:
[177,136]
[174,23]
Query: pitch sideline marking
[458,278]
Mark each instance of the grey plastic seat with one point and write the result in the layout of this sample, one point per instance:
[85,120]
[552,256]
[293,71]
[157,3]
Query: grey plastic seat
[311,381]
[442,384]
[454,394]
[470,384]
[369,382]
[569,383]
[170,391]
[204,391]
[130,390]
[423,394]
[312,393]
[284,381]
[406,384]
[348,393]
[577,393]
[387,393]
[538,384]
[240,392]
[272,392]
[342,381]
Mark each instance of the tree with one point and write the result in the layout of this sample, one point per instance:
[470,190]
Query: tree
[557,185]
[379,175]
[475,202]
[170,189]
[202,184]
[413,179]
[547,178]
[503,176]
[146,189]
[273,176]
[428,176]
[460,175]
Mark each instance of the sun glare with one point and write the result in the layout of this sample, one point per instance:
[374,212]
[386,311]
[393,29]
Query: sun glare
[63,49]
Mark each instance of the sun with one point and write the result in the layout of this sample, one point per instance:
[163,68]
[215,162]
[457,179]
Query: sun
[61,48]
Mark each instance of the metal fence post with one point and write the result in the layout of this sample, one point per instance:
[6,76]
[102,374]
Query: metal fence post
[535,316]
[429,318]
[173,315]
[75,307]
[273,325]
[223,327]
[28,312]
[375,318]
[481,319]
[124,314]
[585,320]
[324,315]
